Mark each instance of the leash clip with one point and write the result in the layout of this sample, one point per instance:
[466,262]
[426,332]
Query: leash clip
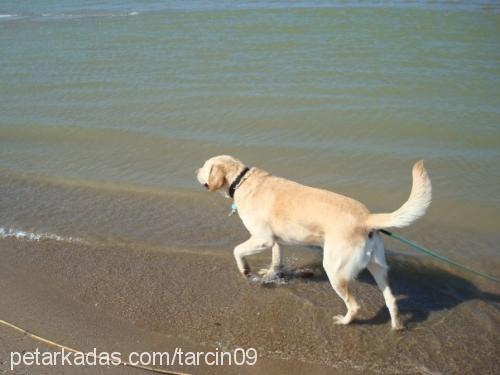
[233,209]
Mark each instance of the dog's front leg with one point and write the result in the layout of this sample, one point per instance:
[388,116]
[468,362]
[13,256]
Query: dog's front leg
[277,258]
[276,264]
[251,246]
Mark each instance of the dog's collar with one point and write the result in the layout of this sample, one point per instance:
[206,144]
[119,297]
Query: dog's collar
[235,184]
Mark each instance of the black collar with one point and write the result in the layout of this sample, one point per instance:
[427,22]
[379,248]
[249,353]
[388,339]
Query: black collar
[237,180]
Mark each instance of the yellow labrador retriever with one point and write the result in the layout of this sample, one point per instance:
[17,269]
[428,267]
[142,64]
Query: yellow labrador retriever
[279,211]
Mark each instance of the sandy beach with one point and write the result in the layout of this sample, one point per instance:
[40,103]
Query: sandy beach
[85,302]
[126,298]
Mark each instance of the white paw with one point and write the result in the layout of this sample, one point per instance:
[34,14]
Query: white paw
[341,319]
[245,272]
[397,326]
[271,275]
[264,271]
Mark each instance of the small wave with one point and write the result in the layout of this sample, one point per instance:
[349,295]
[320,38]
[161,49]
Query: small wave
[32,236]
[7,15]
[86,15]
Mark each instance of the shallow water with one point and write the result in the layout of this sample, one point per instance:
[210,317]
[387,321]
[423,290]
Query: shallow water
[107,110]
[339,95]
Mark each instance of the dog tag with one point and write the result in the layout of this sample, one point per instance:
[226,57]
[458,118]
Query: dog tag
[233,209]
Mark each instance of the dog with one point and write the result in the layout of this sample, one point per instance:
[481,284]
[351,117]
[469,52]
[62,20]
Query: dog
[278,211]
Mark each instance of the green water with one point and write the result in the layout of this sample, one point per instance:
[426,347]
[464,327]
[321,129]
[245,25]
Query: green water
[107,110]
[342,95]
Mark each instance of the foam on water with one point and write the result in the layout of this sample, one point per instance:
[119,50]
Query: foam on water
[87,15]
[6,232]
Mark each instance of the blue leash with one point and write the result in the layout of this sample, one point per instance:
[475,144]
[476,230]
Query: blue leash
[437,256]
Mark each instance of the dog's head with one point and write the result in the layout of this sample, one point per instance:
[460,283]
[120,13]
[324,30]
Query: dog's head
[219,172]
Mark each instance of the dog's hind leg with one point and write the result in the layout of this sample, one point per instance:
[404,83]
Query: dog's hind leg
[380,275]
[339,268]
[342,288]
[378,268]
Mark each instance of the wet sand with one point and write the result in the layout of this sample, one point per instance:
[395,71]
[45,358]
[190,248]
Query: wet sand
[53,296]
[132,296]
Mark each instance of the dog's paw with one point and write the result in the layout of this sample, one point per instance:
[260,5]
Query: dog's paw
[272,272]
[398,326]
[271,275]
[341,319]
[263,272]
[246,273]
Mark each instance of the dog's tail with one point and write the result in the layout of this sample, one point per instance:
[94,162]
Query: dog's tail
[413,209]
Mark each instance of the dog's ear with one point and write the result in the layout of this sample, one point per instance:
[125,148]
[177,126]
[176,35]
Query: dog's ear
[216,178]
